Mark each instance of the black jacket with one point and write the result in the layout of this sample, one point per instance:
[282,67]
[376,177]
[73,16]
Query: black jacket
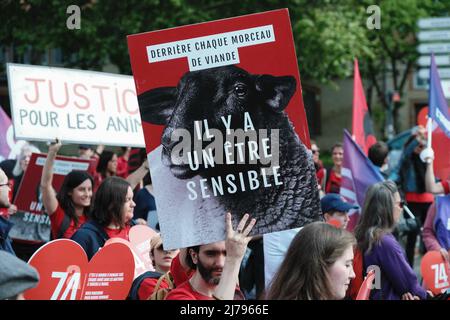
[91,237]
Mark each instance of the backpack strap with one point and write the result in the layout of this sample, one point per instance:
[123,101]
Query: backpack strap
[64,226]
[169,279]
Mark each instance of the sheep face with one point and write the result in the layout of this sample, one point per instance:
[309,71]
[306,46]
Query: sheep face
[211,94]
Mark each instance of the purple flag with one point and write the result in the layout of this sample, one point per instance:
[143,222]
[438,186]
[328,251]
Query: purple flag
[442,221]
[5,137]
[358,174]
[438,109]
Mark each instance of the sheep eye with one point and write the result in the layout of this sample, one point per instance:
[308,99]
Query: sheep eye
[240,89]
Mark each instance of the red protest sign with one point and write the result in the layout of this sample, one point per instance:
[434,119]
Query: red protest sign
[28,196]
[66,274]
[202,87]
[435,272]
[439,144]
[139,245]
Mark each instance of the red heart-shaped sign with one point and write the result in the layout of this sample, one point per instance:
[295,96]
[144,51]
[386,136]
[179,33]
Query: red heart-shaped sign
[139,244]
[435,272]
[66,274]
[140,237]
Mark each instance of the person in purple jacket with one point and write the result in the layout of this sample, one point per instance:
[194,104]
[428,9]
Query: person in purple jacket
[381,212]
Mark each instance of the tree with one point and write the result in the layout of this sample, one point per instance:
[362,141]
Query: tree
[328,34]
[394,47]
[36,25]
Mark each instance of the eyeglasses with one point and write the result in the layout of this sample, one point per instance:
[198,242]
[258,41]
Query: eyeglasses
[6,184]
[315,151]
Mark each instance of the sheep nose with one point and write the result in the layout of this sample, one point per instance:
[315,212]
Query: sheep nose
[166,140]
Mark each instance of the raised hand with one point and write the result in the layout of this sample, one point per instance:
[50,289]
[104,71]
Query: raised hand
[237,240]
[55,146]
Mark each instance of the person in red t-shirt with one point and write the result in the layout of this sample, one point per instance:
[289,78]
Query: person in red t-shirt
[217,266]
[161,260]
[106,167]
[111,216]
[122,163]
[68,209]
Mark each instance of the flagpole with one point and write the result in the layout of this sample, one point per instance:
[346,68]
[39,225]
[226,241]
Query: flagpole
[429,130]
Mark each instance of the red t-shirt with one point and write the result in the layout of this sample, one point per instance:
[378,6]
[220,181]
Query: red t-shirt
[186,292]
[179,274]
[334,183]
[147,287]
[98,179]
[119,233]
[122,167]
[320,174]
[56,220]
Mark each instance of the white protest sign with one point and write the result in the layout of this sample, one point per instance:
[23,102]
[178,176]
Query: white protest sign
[74,105]
[211,51]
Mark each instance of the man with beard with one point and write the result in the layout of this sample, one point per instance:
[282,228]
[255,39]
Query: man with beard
[216,266]
[5,225]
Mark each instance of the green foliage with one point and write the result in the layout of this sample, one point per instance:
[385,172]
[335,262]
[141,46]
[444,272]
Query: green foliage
[328,40]
[328,33]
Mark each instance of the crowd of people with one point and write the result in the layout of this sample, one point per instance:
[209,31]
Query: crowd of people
[324,260]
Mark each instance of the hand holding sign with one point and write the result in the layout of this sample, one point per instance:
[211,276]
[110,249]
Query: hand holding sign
[54,147]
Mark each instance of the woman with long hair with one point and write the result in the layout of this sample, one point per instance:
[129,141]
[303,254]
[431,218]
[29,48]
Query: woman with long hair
[410,176]
[381,212]
[318,265]
[69,208]
[111,216]
[106,167]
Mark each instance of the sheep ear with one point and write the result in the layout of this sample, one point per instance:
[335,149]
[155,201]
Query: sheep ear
[276,91]
[156,105]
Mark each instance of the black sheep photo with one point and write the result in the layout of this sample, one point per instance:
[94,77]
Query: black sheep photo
[225,127]
[285,199]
